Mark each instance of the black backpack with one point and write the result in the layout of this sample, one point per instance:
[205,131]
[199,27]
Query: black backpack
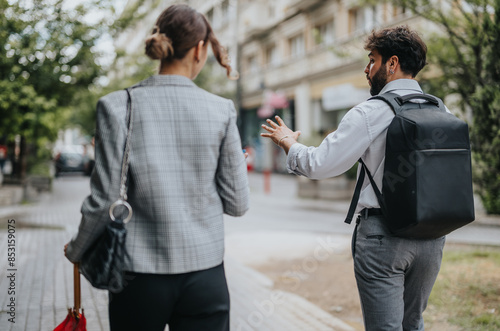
[427,182]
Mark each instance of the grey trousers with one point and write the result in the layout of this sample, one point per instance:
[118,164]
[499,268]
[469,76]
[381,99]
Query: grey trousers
[394,275]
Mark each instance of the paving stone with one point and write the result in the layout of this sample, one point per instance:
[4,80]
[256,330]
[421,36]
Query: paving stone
[44,278]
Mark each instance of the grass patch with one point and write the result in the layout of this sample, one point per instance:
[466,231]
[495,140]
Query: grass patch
[467,289]
[40,169]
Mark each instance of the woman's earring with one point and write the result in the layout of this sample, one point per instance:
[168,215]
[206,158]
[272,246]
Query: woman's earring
[391,72]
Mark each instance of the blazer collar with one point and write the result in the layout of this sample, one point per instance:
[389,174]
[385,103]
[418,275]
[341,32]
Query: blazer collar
[162,80]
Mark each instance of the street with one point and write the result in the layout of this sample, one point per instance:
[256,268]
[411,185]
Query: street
[278,226]
[282,210]
[276,73]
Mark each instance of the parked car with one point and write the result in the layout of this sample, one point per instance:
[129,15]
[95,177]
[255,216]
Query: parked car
[69,159]
[89,166]
[89,157]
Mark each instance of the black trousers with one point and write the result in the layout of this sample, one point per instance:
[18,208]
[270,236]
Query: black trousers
[191,301]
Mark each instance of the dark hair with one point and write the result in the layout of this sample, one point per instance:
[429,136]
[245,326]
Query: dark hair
[178,29]
[402,42]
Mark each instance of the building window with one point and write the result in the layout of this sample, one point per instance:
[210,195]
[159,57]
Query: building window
[271,10]
[373,19]
[297,46]
[324,34]
[252,66]
[398,11]
[272,59]
[224,10]
[356,20]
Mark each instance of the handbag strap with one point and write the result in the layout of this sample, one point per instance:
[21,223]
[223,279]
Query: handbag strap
[126,153]
[122,200]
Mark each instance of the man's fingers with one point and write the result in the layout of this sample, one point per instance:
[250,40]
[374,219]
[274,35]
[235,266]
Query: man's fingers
[280,121]
[267,135]
[271,123]
[265,127]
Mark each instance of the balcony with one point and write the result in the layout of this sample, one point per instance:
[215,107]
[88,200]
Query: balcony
[299,5]
[315,63]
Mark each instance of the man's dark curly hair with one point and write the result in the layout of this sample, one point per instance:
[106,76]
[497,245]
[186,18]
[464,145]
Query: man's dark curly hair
[402,42]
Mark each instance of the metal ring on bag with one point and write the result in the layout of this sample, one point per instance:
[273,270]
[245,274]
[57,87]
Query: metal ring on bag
[118,203]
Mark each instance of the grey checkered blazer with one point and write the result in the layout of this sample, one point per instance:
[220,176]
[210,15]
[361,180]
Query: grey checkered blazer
[186,169]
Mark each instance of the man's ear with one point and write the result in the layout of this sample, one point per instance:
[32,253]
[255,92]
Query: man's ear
[393,62]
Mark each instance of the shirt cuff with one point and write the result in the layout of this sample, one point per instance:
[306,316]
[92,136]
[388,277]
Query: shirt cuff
[291,159]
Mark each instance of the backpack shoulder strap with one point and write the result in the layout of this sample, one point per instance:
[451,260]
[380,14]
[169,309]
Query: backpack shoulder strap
[397,102]
[391,100]
[355,196]
[357,191]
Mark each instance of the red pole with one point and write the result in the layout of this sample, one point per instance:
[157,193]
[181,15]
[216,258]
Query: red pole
[267,181]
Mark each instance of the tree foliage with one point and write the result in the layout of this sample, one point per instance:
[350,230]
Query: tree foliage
[138,66]
[126,69]
[213,78]
[130,69]
[466,53]
[48,61]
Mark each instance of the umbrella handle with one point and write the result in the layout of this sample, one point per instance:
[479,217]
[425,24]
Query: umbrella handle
[77,290]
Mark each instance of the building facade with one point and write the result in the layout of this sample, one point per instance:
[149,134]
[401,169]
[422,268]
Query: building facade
[223,16]
[312,52]
[300,59]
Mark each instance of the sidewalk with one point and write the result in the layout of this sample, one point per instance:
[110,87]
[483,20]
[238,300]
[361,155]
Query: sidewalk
[43,277]
[284,187]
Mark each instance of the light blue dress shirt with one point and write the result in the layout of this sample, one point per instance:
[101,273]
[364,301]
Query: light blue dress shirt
[361,134]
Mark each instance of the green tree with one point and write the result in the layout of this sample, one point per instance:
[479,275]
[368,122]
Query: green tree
[48,61]
[466,55]
[139,67]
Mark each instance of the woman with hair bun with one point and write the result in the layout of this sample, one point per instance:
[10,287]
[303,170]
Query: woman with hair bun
[186,170]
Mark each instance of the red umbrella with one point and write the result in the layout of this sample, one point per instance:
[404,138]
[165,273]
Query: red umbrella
[75,321]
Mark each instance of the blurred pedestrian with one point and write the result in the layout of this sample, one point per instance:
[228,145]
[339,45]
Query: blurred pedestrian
[394,275]
[3,157]
[187,168]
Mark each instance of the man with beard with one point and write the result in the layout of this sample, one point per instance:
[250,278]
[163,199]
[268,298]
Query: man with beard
[394,275]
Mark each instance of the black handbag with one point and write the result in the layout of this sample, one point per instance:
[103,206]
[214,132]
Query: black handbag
[104,262]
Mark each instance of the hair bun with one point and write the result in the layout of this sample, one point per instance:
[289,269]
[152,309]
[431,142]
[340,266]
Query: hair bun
[159,46]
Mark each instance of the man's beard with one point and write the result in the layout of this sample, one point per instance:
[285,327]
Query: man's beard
[378,81]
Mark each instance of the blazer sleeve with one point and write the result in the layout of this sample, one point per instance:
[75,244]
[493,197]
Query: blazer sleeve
[231,176]
[105,179]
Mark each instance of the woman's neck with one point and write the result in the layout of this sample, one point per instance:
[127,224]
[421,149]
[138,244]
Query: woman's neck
[176,68]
